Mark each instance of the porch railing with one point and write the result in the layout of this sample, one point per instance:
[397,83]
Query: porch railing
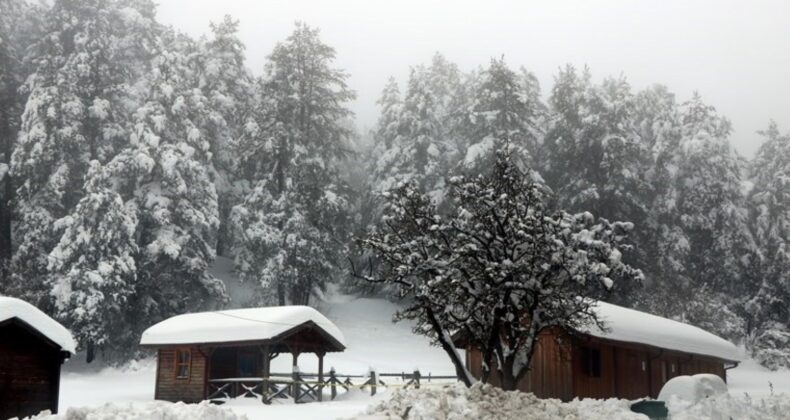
[306,387]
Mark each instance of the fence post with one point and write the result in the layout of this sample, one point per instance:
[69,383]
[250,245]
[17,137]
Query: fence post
[333,381]
[417,379]
[373,381]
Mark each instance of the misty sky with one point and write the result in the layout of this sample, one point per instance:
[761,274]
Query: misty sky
[736,54]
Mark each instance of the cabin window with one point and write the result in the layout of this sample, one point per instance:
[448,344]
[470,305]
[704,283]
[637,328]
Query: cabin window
[591,362]
[183,359]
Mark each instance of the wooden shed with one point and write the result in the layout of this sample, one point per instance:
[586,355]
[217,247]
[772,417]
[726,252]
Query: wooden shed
[33,346]
[633,358]
[199,354]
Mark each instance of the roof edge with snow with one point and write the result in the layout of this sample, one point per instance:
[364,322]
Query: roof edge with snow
[242,326]
[12,309]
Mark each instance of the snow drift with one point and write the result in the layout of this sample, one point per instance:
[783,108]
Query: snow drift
[483,401]
[158,410]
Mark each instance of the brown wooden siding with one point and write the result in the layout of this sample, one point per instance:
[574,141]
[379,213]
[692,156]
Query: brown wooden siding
[29,371]
[170,388]
[627,370]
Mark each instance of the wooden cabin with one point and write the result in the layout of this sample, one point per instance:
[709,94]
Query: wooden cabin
[199,353]
[33,346]
[636,355]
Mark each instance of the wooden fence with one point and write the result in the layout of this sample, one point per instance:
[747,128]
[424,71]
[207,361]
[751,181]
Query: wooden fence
[309,387]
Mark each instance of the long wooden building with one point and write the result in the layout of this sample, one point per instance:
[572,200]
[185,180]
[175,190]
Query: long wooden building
[633,358]
[32,348]
[222,352]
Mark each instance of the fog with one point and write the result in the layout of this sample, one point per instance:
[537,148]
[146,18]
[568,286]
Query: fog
[736,54]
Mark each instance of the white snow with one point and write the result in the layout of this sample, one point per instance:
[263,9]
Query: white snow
[235,325]
[692,388]
[155,410]
[628,325]
[483,401]
[29,314]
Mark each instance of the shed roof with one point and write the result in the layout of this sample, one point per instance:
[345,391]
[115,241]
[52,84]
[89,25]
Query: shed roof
[239,325]
[629,325]
[13,308]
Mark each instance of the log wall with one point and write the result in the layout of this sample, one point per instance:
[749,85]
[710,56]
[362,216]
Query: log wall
[170,388]
[29,371]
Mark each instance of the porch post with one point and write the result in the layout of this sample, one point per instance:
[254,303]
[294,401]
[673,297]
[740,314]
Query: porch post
[295,375]
[265,363]
[320,376]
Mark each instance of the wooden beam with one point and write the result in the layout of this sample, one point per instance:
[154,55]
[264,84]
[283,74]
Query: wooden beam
[320,376]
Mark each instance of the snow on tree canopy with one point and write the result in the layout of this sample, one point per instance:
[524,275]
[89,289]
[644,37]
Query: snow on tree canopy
[632,326]
[249,324]
[15,308]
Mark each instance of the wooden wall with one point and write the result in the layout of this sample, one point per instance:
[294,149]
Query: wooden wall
[551,373]
[170,388]
[29,371]
[627,370]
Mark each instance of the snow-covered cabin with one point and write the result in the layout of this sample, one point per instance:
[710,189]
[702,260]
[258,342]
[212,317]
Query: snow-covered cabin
[200,353]
[33,346]
[633,357]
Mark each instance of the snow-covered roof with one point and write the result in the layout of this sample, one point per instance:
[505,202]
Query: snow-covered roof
[632,326]
[30,315]
[235,325]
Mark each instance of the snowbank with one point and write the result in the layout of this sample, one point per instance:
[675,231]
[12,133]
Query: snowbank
[158,410]
[727,406]
[236,325]
[483,401]
[693,388]
[633,326]
[29,314]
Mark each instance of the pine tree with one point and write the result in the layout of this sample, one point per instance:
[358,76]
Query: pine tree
[89,55]
[505,110]
[18,29]
[229,89]
[177,199]
[769,204]
[93,267]
[595,160]
[709,206]
[419,152]
[291,153]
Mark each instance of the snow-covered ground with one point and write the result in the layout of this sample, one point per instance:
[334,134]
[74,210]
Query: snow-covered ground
[373,341]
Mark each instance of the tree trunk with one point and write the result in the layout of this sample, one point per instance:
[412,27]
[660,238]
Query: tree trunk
[281,294]
[444,340]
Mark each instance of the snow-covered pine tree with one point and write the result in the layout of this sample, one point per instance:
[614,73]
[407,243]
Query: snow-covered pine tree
[93,267]
[769,204]
[174,192]
[387,126]
[656,120]
[500,258]
[18,29]
[229,88]
[505,109]
[596,162]
[419,152]
[709,208]
[291,154]
[89,54]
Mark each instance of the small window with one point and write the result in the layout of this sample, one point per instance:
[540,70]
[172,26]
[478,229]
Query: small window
[591,362]
[183,359]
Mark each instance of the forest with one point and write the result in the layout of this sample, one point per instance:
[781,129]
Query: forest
[132,155]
